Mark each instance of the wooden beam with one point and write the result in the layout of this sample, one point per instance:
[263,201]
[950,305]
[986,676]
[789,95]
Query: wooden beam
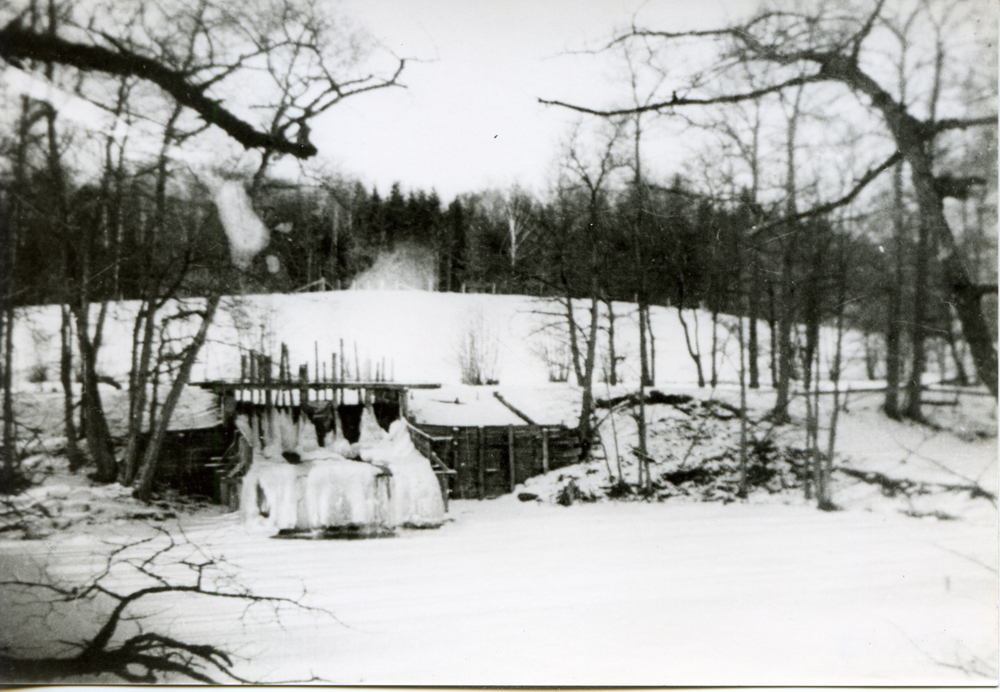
[517,412]
[223,386]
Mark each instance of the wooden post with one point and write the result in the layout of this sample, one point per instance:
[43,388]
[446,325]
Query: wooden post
[460,463]
[545,450]
[481,453]
[333,367]
[343,363]
[511,459]
[357,363]
[402,402]
[303,378]
[268,396]
[243,368]
[316,357]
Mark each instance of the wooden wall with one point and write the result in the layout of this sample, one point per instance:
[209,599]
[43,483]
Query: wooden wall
[490,460]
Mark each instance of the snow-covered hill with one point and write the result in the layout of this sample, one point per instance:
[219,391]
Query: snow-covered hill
[419,335]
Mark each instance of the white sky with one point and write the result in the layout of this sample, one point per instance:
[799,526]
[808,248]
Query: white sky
[469,118]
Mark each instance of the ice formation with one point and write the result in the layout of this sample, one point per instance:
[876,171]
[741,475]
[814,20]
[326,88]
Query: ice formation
[391,485]
[246,233]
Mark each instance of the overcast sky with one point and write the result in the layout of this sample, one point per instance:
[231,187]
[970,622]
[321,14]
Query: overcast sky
[469,118]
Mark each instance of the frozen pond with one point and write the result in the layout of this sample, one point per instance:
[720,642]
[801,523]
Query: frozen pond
[514,593]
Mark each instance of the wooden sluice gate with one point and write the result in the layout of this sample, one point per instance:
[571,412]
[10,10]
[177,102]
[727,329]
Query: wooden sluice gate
[333,403]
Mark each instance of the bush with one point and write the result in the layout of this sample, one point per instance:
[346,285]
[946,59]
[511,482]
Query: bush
[479,353]
[39,373]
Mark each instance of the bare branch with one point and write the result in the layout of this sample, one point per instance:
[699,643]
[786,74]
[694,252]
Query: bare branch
[17,44]
[963,123]
[830,206]
[683,101]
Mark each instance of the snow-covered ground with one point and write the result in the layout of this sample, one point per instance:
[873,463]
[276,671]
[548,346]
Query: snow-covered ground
[899,588]
[611,593]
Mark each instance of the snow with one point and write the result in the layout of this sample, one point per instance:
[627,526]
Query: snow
[891,590]
[611,594]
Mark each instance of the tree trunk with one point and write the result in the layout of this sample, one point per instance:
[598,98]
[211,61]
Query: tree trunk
[693,349]
[772,327]
[586,427]
[893,335]
[10,459]
[612,353]
[574,344]
[142,342]
[76,459]
[912,137]
[715,348]
[786,317]
[752,346]
[150,460]
[98,434]
[956,355]
[918,330]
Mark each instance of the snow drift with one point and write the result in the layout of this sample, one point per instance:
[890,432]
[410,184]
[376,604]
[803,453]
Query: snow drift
[295,485]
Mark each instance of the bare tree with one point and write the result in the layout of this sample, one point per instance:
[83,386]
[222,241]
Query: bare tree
[196,56]
[823,46]
[589,174]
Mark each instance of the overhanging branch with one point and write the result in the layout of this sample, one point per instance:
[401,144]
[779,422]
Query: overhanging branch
[18,44]
[682,101]
[830,206]
[963,123]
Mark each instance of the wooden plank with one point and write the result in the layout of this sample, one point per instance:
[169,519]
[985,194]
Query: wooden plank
[517,412]
[545,450]
[481,454]
[511,457]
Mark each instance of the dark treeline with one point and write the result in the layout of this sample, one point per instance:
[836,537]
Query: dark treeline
[694,251]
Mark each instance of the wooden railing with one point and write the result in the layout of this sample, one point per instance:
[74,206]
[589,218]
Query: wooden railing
[424,444]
